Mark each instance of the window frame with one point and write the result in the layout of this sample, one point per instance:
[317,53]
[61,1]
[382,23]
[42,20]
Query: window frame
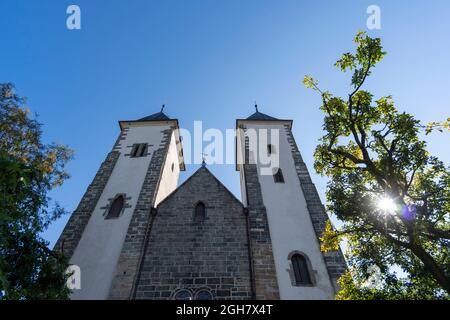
[308,269]
[203,290]
[109,215]
[183,291]
[139,150]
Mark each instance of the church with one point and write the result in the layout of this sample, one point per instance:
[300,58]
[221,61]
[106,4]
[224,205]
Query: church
[137,234]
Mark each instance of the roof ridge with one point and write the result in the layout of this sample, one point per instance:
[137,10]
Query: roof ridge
[192,175]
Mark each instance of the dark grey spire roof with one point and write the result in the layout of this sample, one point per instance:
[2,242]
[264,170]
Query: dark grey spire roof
[260,116]
[156,116]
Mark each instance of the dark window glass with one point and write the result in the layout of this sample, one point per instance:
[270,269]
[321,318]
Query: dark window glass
[173,166]
[139,149]
[278,176]
[301,272]
[270,149]
[116,208]
[183,295]
[203,295]
[134,150]
[200,212]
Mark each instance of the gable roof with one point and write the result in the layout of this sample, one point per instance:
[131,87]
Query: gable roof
[200,170]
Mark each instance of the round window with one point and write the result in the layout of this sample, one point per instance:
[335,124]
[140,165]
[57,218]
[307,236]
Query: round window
[203,295]
[183,295]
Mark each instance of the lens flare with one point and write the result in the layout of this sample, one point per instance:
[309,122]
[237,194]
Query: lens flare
[409,212]
[387,205]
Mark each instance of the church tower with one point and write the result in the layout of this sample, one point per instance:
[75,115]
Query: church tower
[285,214]
[106,234]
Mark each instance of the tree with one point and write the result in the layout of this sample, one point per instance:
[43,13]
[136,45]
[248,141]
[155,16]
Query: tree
[391,195]
[28,170]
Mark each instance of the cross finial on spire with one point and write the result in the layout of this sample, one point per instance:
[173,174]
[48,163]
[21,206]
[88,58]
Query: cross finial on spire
[204,159]
[162,107]
[256,107]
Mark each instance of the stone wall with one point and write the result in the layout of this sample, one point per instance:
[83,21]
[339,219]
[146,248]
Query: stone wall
[266,285]
[182,254]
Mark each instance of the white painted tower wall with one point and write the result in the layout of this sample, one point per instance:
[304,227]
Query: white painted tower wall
[290,225]
[99,248]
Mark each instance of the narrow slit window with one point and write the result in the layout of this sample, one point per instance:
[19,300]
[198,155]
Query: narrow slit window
[134,150]
[139,150]
[200,212]
[270,149]
[278,176]
[116,208]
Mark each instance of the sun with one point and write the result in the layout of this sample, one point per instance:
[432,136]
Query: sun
[387,205]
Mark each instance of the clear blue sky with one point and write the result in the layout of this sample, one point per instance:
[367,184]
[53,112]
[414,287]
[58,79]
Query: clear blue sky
[209,60]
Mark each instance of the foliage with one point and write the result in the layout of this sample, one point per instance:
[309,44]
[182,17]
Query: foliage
[28,170]
[437,125]
[373,155]
[355,288]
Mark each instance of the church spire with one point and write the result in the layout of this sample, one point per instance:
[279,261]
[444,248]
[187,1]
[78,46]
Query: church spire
[156,116]
[259,115]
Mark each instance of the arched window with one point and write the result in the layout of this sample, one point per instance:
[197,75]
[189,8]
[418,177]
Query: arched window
[203,294]
[278,176]
[301,272]
[200,212]
[183,295]
[116,208]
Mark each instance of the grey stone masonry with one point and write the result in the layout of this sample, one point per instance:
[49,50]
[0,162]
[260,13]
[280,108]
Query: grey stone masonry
[131,254]
[185,254]
[79,219]
[265,278]
[122,136]
[334,260]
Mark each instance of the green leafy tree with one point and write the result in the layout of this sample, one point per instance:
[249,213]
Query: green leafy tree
[28,170]
[437,125]
[391,195]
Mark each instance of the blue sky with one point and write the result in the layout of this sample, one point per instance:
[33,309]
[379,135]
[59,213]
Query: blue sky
[210,60]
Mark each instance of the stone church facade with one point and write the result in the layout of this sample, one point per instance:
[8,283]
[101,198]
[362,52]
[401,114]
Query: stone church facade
[185,253]
[136,234]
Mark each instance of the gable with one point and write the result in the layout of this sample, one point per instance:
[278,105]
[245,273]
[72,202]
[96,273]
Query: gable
[203,185]
[211,253]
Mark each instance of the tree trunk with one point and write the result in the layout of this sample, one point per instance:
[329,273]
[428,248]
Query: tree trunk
[432,266]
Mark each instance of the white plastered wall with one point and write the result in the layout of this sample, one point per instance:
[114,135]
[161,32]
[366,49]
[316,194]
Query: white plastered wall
[290,225]
[99,248]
